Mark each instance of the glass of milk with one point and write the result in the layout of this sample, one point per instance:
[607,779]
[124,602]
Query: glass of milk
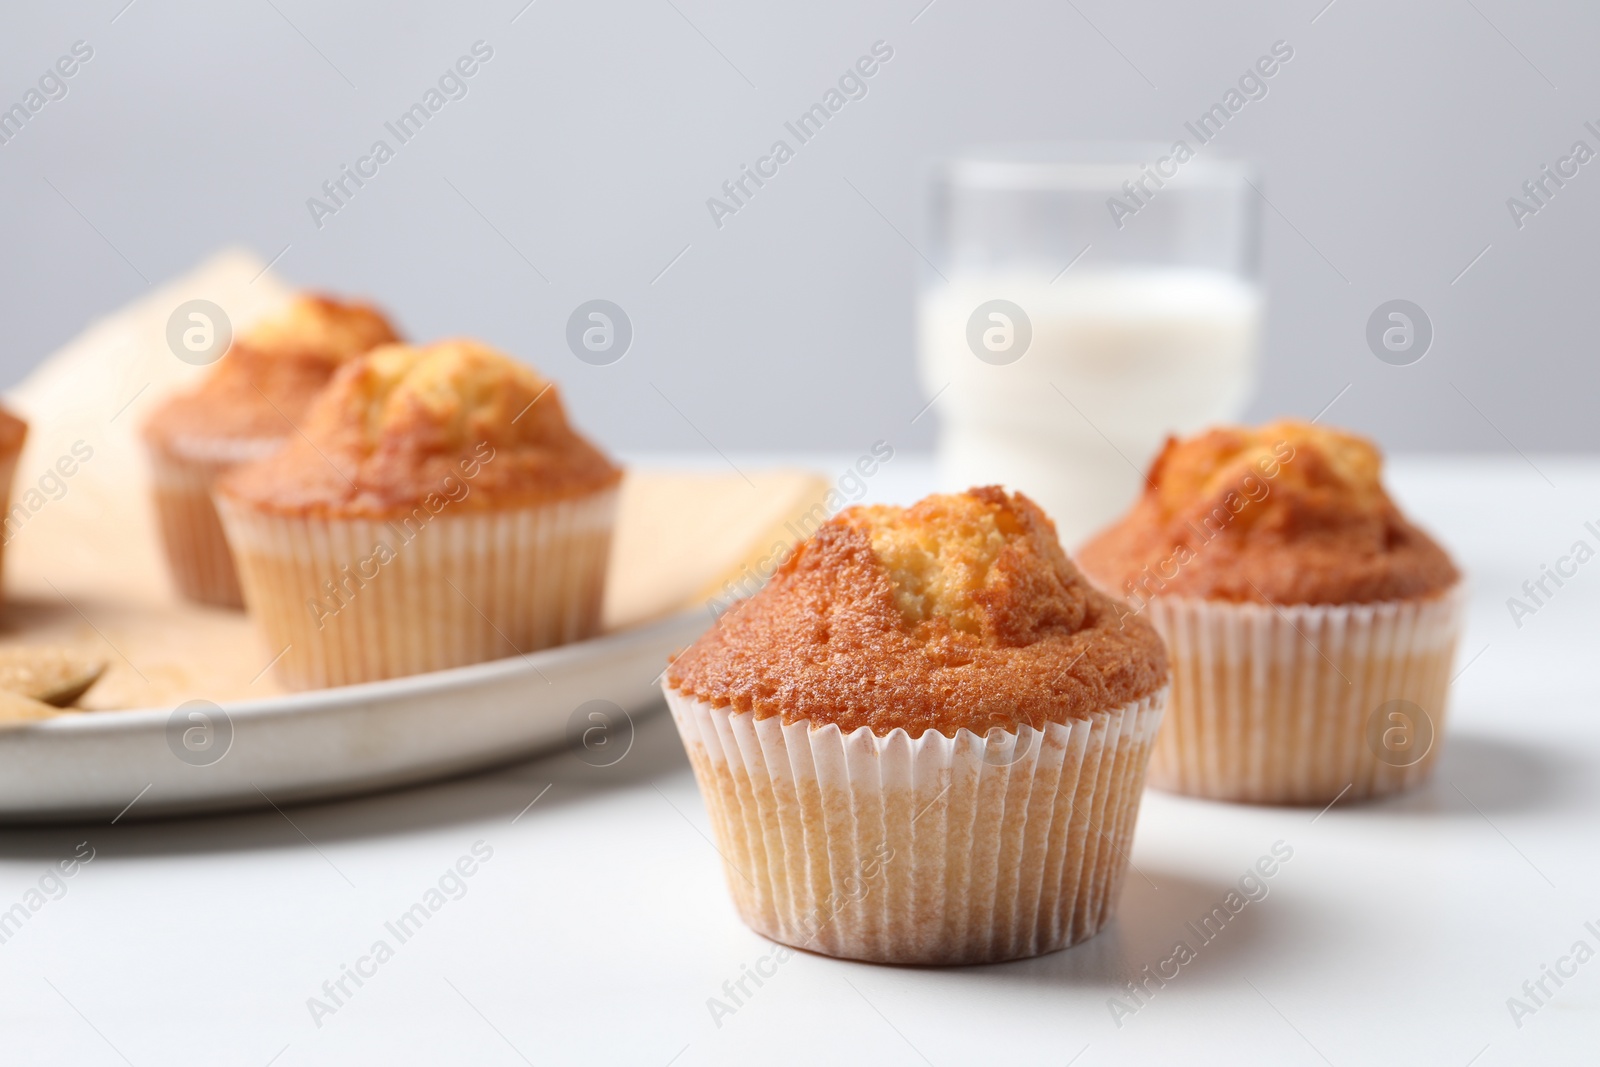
[1082,303]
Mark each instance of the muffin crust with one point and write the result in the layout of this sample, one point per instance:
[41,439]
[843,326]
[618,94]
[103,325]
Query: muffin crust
[1289,513]
[405,425]
[263,385]
[962,611]
[13,432]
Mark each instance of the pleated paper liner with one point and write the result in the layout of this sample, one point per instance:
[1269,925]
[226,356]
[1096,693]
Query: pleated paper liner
[197,551]
[8,473]
[1298,704]
[357,600]
[937,850]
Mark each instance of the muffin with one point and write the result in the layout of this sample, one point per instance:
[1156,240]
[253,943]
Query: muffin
[1311,625]
[438,510]
[13,433]
[924,740]
[244,410]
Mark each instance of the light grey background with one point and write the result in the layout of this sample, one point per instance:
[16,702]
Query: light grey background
[588,145]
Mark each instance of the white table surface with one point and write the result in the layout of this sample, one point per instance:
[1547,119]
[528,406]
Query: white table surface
[600,926]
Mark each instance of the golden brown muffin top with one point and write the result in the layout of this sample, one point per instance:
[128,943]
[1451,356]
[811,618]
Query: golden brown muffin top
[265,382]
[321,327]
[961,611]
[1288,513]
[455,420]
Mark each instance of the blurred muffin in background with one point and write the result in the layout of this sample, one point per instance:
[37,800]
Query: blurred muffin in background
[244,410]
[924,740]
[13,434]
[439,510]
[1311,625]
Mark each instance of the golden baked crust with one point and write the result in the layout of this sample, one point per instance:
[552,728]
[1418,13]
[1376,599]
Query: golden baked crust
[1288,513]
[263,385]
[320,327]
[13,432]
[455,420]
[962,611]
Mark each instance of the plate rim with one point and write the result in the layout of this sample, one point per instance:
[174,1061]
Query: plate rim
[312,701]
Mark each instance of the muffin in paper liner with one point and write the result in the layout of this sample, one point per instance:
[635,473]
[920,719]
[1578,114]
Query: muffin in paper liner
[437,510]
[1304,703]
[245,409]
[196,548]
[1310,624]
[356,600]
[933,850]
[924,740]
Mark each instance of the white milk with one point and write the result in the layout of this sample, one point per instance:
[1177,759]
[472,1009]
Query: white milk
[1118,359]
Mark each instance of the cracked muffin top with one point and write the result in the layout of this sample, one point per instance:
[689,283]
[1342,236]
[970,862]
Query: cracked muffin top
[961,611]
[405,425]
[1286,513]
[261,388]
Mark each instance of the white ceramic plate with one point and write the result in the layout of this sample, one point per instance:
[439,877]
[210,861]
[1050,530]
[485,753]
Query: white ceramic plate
[333,742]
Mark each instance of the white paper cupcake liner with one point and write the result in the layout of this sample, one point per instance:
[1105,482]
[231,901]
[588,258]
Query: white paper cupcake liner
[197,551]
[1277,704]
[936,850]
[461,588]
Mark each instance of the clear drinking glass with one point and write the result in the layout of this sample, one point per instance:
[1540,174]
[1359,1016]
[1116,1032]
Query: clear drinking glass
[1084,302]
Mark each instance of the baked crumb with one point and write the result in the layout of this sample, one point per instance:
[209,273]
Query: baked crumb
[959,612]
[1287,513]
[454,420]
[263,385]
